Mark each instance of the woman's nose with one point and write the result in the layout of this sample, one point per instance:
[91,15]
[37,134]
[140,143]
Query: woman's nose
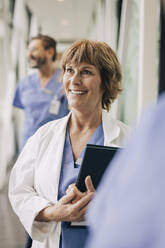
[76,79]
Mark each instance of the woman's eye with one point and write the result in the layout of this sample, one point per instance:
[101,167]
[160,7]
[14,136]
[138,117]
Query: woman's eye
[69,70]
[86,72]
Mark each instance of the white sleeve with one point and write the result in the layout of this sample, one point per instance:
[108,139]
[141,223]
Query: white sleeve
[24,199]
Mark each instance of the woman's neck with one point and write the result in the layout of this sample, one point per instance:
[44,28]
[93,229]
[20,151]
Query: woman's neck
[81,127]
[85,121]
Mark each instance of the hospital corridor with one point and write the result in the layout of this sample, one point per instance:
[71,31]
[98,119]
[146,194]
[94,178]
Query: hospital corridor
[47,68]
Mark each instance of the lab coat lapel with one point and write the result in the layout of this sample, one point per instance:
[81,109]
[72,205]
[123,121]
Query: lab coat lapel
[55,155]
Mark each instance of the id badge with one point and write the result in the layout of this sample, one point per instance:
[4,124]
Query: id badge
[54,106]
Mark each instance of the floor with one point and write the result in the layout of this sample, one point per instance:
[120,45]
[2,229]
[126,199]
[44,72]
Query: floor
[12,234]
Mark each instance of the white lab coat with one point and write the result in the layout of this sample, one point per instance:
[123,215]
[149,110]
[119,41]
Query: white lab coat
[34,179]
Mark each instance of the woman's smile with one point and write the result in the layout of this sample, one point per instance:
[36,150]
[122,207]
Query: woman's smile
[78,92]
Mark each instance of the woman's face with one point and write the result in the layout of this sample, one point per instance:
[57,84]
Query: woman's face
[82,84]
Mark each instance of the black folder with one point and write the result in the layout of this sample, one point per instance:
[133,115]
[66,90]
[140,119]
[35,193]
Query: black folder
[95,161]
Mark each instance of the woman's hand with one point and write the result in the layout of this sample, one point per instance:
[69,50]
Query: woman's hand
[75,210]
[71,207]
[79,194]
[65,210]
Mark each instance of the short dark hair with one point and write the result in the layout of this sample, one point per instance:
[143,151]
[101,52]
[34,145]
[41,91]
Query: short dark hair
[101,55]
[48,42]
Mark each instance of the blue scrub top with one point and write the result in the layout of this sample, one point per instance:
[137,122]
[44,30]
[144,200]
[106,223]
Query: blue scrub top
[74,237]
[40,105]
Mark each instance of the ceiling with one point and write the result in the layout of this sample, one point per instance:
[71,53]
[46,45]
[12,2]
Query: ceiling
[65,20]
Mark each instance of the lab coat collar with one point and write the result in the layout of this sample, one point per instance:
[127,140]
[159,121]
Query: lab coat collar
[110,127]
[108,124]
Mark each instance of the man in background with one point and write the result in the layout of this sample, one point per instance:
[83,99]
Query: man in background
[40,94]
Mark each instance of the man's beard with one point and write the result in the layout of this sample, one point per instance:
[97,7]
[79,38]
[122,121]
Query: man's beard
[39,62]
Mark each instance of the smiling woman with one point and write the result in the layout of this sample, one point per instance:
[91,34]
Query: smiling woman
[45,196]
[100,57]
[82,86]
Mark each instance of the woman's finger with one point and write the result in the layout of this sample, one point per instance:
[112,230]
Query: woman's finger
[83,201]
[89,184]
[78,209]
[67,198]
[71,187]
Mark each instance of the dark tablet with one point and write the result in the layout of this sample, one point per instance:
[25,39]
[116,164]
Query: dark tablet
[95,161]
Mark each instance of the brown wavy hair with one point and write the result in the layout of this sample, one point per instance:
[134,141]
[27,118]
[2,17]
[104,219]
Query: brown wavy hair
[101,55]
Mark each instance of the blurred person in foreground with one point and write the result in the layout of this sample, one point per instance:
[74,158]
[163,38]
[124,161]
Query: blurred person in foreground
[40,94]
[128,211]
[41,188]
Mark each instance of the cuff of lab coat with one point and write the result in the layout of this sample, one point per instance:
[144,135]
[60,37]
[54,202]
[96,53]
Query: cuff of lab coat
[41,230]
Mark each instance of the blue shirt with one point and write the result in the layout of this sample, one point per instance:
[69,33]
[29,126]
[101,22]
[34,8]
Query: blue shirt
[40,105]
[129,209]
[74,237]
